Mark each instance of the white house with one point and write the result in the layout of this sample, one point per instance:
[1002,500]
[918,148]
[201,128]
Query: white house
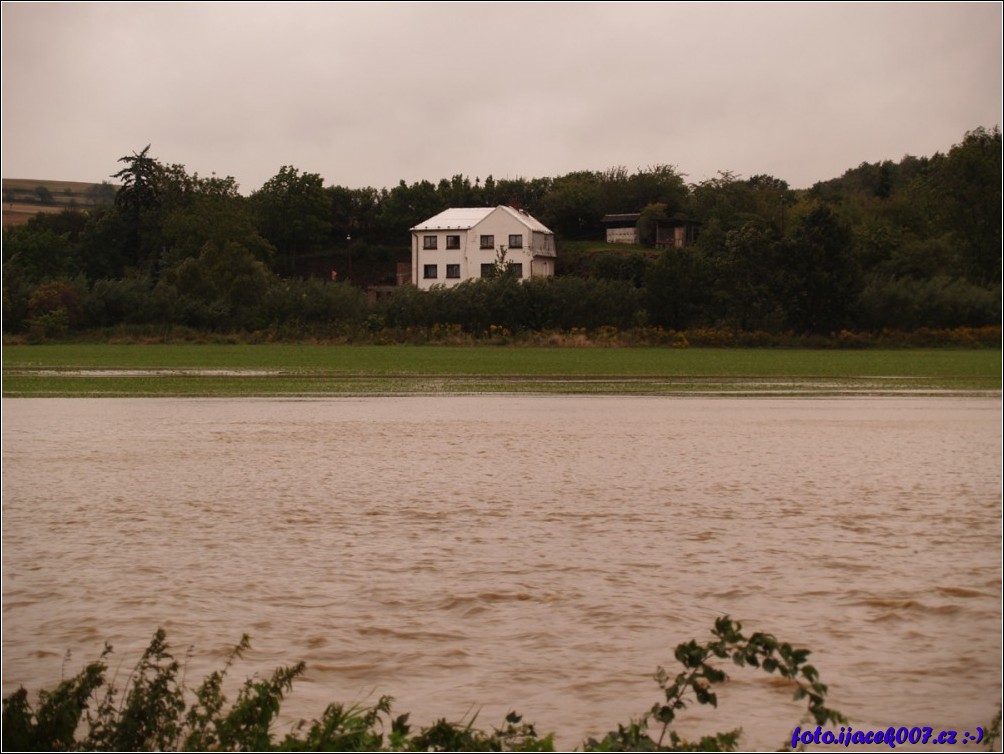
[465,243]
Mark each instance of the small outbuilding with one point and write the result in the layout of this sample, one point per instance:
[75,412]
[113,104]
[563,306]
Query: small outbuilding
[464,243]
[676,232]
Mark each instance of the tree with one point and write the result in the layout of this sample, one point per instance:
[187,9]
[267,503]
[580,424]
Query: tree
[354,213]
[225,284]
[137,203]
[47,247]
[405,206]
[968,184]
[293,213]
[198,211]
[40,255]
[101,193]
[676,289]
[727,203]
[502,268]
[821,275]
[140,182]
[573,206]
[749,284]
[657,184]
[105,250]
[458,192]
[44,196]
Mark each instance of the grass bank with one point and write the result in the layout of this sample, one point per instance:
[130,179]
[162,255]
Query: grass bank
[320,370]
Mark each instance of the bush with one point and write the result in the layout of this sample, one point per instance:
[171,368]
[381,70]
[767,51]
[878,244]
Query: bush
[314,301]
[157,712]
[537,304]
[56,296]
[121,301]
[939,302]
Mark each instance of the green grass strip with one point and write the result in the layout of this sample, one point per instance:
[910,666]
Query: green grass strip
[267,370]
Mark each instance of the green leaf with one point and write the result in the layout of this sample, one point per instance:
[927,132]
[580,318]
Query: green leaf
[714,675]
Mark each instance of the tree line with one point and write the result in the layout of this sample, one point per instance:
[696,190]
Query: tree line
[891,245]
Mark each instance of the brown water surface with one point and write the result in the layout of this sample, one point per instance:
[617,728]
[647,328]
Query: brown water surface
[499,552]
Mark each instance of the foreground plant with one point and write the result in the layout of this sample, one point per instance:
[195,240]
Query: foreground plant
[700,673]
[157,712]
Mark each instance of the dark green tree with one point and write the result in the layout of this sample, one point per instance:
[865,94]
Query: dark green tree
[138,203]
[141,182]
[293,213]
[821,274]
[40,254]
[968,185]
[573,207]
[354,214]
[677,288]
[405,206]
[657,184]
[749,286]
[198,211]
[221,288]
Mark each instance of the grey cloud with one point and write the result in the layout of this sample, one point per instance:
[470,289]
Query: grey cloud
[367,94]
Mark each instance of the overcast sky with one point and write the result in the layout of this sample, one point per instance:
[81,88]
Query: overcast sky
[369,94]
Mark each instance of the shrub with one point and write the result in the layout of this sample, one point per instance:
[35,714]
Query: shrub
[121,300]
[54,296]
[157,712]
[939,302]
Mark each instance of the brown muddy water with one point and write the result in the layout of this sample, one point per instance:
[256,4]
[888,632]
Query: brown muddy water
[479,554]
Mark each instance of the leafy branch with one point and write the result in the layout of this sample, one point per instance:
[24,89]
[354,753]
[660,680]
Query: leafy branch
[701,673]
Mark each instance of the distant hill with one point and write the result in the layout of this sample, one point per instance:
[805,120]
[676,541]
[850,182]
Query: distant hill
[23,198]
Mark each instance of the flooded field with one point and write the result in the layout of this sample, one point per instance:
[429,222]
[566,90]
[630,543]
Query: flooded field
[529,552]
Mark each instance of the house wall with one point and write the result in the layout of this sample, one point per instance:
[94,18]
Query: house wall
[543,244]
[440,256]
[676,236]
[622,235]
[542,267]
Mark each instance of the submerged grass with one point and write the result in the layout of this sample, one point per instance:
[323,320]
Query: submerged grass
[320,370]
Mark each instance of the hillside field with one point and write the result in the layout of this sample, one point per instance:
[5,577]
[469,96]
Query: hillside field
[21,201]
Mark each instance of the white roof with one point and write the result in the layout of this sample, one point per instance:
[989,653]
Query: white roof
[457,218]
[531,222]
[464,218]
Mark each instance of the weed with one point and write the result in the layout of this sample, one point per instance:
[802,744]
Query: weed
[157,712]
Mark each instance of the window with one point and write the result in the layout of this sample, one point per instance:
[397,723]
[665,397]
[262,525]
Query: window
[487,242]
[452,270]
[430,272]
[429,242]
[453,242]
[487,270]
[516,268]
[516,242]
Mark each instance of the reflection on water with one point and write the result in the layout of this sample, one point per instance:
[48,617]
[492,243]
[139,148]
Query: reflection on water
[465,553]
